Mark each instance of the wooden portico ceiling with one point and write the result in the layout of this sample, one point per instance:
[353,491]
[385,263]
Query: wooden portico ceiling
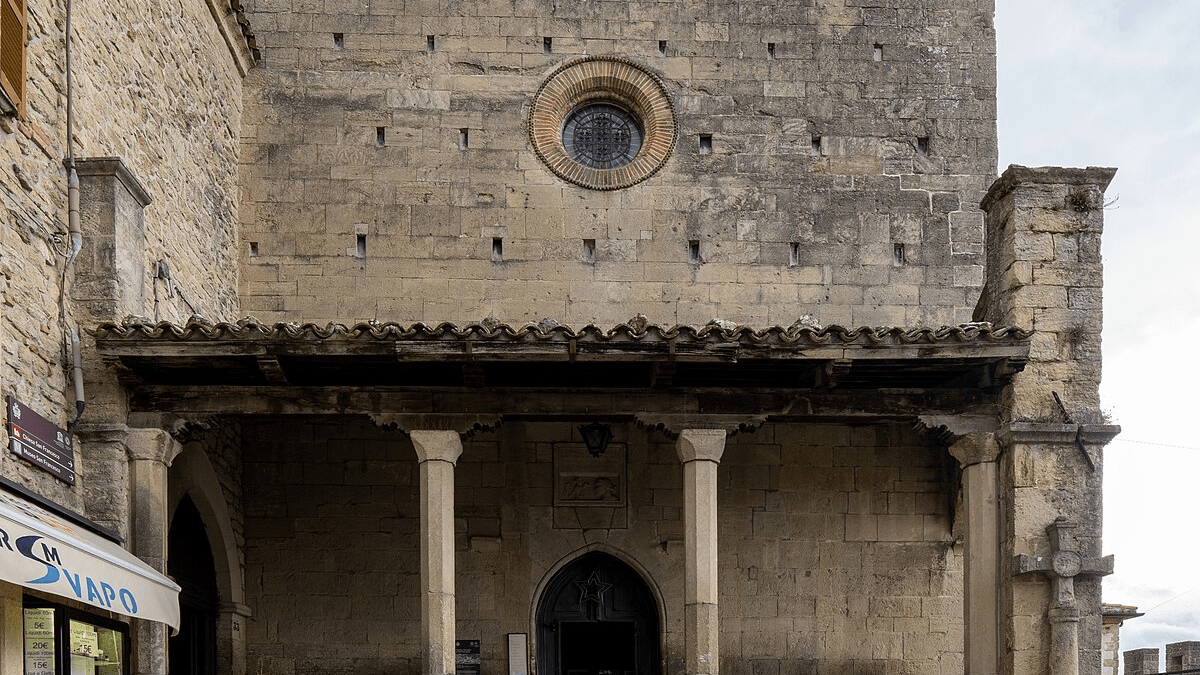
[545,369]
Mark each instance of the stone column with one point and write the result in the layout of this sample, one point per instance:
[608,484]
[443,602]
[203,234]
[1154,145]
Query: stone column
[977,453]
[437,452]
[700,451]
[151,452]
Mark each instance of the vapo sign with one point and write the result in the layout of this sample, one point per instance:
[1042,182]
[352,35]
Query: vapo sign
[53,556]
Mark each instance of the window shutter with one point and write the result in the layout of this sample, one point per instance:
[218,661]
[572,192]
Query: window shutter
[12,50]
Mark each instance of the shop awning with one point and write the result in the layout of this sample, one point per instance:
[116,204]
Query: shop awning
[41,551]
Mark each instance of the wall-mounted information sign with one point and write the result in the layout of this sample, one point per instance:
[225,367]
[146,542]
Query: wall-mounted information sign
[518,653]
[38,441]
[466,657]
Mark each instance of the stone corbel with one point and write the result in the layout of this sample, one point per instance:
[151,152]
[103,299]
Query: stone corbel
[466,425]
[672,424]
[182,428]
[958,426]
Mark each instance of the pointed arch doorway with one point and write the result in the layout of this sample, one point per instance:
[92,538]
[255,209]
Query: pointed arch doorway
[597,616]
[193,650]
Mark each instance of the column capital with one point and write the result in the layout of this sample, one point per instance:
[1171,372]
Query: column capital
[140,443]
[153,445]
[700,444]
[436,445]
[975,449]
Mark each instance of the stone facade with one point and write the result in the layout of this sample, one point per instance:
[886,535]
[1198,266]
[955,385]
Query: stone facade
[174,127]
[836,133]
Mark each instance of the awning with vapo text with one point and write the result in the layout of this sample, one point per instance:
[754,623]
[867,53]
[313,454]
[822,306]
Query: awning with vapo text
[41,551]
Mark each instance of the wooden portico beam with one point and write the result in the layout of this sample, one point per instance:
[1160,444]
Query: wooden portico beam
[776,405]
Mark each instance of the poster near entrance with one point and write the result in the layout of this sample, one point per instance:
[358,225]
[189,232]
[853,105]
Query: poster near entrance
[466,657]
[518,654]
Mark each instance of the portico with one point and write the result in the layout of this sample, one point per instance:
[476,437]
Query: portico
[492,416]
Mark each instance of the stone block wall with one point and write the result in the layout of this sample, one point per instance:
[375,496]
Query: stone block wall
[155,84]
[1141,661]
[837,554]
[389,174]
[1181,657]
[836,550]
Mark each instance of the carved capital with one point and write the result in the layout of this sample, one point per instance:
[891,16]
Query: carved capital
[101,433]
[700,444]
[153,445]
[183,428]
[975,449]
[436,445]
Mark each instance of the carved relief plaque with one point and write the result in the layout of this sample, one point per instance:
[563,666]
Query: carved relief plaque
[583,480]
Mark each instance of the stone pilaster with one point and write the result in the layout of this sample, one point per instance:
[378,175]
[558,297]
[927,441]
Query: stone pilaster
[977,453]
[151,452]
[12,637]
[105,475]
[1044,272]
[111,271]
[700,452]
[437,452]
[1046,476]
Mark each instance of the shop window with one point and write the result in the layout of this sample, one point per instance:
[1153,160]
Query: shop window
[61,640]
[12,55]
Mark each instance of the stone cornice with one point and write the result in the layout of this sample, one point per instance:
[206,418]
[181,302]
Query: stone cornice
[137,329]
[115,167]
[1016,175]
[235,29]
[1042,432]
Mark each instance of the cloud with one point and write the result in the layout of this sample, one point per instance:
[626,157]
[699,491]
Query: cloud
[1112,83]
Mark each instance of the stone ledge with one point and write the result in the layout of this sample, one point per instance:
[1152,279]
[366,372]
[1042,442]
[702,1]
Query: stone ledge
[115,167]
[1016,175]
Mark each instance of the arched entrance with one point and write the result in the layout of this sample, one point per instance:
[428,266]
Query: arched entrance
[190,562]
[597,616]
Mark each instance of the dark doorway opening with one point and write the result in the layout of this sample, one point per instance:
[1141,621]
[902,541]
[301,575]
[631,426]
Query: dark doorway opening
[190,562]
[597,616]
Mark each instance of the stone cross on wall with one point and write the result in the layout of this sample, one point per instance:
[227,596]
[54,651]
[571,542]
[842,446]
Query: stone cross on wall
[1062,566]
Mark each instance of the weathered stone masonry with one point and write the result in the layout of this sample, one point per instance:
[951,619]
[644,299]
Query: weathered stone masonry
[814,143]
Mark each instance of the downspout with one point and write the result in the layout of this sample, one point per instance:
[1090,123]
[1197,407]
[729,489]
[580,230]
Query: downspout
[74,230]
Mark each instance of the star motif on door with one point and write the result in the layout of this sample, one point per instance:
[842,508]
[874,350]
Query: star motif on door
[593,590]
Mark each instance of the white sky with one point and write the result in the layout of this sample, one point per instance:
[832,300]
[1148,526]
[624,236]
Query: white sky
[1117,83]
